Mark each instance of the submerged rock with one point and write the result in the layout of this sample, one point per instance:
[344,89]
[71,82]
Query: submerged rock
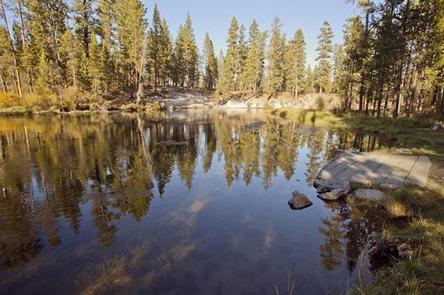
[369,194]
[299,201]
[333,190]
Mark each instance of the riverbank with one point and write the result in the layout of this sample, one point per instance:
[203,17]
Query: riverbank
[73,101]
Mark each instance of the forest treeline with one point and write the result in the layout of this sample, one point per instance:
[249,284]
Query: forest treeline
[390,62]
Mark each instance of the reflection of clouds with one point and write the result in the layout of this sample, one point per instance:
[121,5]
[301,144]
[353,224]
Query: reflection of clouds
[188,216]
[107,276]
[269,238]
[197,206]
[165,262]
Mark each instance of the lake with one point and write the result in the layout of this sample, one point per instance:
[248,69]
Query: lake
[175,203]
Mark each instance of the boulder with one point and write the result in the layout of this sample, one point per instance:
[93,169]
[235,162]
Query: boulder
[369,194]
[332,191]
[299,201]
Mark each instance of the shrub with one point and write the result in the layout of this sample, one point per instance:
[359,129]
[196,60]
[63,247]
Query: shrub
[320,103]
[8,100]
[72,97]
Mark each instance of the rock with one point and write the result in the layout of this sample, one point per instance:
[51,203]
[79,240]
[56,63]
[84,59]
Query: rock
[333,190]
[334,195]
[299,201]
[369,194]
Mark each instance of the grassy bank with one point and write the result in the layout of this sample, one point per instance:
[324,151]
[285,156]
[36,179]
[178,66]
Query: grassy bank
[424,273]
[411,133]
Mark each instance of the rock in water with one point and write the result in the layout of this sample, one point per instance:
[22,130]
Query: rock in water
[333,191]
[299,201]
[369,194]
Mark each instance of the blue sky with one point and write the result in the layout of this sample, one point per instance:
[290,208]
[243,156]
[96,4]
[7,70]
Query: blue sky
[214,17]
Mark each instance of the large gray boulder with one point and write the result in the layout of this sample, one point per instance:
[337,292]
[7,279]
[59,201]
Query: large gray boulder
[299,201]
[333,191]
[369,194]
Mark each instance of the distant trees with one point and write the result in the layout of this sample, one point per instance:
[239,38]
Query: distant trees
[390,62]
[109,50]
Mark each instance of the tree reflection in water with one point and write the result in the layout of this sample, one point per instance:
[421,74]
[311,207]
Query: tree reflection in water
[51,167]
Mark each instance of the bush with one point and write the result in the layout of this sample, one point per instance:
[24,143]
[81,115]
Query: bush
[39,101]
[8,100]
[72,97]
[320,103]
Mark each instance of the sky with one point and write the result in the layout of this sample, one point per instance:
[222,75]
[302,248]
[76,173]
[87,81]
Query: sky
[214,17]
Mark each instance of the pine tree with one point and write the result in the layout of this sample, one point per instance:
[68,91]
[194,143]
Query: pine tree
[70,51]
[105,12]
[84,21]
[155,48]
[6,59]
[241,57]
[179,63]
[275,57]
[253,72]
[166,54]
[325,51]
[47,26]
[340,75]
[108,85]
[94,66]
[211,73]
[229,78]
[13,50]
[43,82]
[295,63]
[191,54]
[353,59]
[310,82]
[130,28]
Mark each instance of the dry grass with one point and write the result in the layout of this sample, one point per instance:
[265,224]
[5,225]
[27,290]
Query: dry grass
[425,273]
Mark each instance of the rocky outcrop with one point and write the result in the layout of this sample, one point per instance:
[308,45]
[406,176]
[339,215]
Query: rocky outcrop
[299,201]
[282,101]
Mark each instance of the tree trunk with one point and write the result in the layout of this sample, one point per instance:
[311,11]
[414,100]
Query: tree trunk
[379,98]
[361,86]
[3,82]
[140,73]
[399,79]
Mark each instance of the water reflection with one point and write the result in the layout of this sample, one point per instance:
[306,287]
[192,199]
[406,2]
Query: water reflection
[60,178]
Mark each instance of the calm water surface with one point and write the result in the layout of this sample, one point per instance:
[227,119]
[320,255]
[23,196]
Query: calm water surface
[180,203]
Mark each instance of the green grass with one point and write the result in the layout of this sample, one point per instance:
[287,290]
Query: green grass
[411,133]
